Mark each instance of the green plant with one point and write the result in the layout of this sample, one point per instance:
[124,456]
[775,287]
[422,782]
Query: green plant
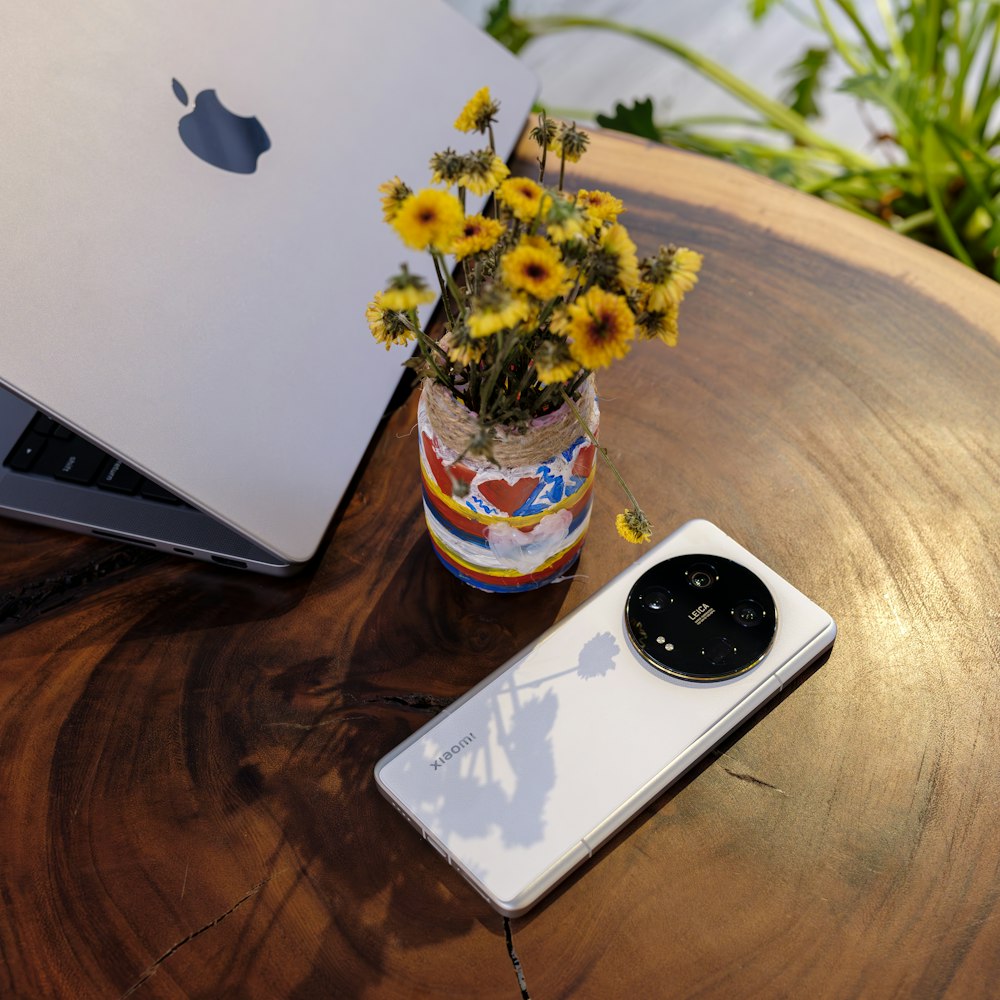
[931,69]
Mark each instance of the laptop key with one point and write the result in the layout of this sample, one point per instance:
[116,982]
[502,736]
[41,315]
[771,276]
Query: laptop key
[71,461]
[26,452]
[119,477]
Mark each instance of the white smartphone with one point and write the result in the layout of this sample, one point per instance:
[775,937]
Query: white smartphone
[521,779]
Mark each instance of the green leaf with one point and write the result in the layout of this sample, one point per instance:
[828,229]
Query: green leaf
[805,74]
[758,8]
[635,118]
[507,29]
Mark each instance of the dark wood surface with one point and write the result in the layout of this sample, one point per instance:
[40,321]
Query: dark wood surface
[186,753]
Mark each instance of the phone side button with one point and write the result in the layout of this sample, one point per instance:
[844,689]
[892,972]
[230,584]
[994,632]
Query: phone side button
[437,847]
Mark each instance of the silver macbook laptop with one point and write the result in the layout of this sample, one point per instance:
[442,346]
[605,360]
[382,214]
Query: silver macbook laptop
[190,230]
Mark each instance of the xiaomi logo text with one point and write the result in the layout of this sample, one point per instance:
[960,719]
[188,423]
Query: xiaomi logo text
[454,751]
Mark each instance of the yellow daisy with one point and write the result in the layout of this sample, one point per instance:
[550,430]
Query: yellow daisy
[387,325]
[564,220]
[634,526]
[429,219]
[478,113]
[618,246]
[478,234]
[668,276]
[522,196]
[482,172]
[554,363]
[534,266]
[659,325]
[462,349]
[394,193]
[406,298]
[569,142]
[600,327]
[491,317]
[446,167]
[599,205]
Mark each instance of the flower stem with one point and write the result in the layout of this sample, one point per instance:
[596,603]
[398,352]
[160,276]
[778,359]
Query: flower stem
[774,111]
[603,452]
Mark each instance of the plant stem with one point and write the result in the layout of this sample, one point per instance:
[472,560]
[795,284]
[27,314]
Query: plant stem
[603,452]
[774,111]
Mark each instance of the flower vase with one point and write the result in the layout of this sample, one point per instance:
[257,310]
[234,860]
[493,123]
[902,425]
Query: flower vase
[516,524]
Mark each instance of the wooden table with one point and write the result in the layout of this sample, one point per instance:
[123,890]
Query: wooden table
[186,753]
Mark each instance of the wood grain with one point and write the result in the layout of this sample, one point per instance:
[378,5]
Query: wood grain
[186,753]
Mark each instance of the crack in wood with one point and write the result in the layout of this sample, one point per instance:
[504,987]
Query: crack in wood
[31,601]
[194,934]
[741,776]
[515,961]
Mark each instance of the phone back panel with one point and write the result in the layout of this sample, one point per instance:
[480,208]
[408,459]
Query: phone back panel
[520,779]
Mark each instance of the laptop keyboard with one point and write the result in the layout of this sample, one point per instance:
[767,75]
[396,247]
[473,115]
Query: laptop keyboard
[49,449]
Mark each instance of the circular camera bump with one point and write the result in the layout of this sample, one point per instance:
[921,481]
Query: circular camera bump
[700,618]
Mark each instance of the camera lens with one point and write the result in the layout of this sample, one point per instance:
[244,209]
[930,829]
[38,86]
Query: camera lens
[655,598]
[719,651]
[748,613]
[701,576]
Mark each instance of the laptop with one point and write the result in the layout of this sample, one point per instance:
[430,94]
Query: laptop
[184,360]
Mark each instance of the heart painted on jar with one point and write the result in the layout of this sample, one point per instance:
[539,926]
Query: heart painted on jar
[509,497]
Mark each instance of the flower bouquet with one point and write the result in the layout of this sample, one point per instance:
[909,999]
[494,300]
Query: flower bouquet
[539,291]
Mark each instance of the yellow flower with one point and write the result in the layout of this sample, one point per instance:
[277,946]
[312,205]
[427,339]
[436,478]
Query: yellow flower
[600,327]
[534,266]
[569,143]
[522,196]
[554,363]
[668,276]
[616,244]
[462,349]
[429,219]
[446,167]
[490,317]
[404,299]
[478,113]
[659,325]
[599,205]
[478,234]
[564,221]
[387,325]
[394,193]
[482,172]
[634,526]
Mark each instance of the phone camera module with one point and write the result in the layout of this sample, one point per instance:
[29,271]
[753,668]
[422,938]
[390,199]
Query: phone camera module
[700,617]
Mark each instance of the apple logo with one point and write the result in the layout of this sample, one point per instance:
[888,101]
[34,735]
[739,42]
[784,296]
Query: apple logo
[213,133]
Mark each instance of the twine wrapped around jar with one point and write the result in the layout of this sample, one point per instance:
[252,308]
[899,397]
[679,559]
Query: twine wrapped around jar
[522,522]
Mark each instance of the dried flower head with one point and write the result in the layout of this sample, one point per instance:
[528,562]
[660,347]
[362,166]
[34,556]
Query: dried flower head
[387,326]
[406,291]
[634,526]
[482,171]
[569,143]
[600,328]
[446,167]
[478,235]
[394,193]
[669,276]
[479,113]
[429,220]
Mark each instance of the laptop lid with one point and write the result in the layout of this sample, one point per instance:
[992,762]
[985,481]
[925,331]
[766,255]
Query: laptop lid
[206,325]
